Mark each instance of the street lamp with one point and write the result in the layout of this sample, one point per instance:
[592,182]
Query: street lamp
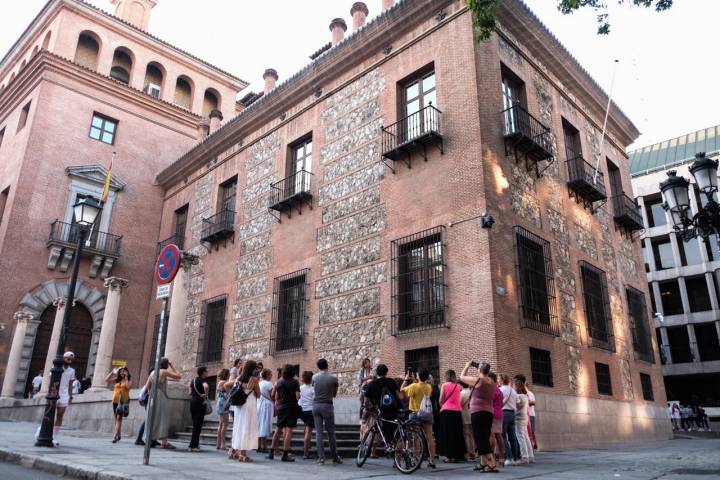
[677,200]
[86,211]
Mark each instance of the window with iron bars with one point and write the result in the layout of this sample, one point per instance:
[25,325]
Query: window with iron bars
[602,376]
[541,367]
[536,282]
[423,358]
[418,281]
[647,388]
[212,328]
[597,307]
[637,309]
[290,302]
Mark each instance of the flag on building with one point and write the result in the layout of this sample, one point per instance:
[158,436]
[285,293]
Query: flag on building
[106,190]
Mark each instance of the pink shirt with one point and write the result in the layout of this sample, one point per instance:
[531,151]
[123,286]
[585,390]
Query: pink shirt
[451,397]
[497,403]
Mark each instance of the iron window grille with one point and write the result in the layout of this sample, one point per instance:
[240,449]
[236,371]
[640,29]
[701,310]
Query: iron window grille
[602,376]
[423,358]
[541,367]
[597,307]
[647,388]
[103,129]
[536,282]
[212,329]
[418,282]
[637,309]
[290,305]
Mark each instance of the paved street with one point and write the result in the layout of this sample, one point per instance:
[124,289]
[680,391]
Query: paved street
[86,455]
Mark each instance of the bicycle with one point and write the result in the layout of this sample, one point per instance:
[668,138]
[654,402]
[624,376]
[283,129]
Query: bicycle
[407,446]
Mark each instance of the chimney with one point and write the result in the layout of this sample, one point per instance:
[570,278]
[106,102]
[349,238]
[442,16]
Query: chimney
[215,120]
[359,12]
[270,76]
[338,27]
[134,12]
[386,4]
[203,129]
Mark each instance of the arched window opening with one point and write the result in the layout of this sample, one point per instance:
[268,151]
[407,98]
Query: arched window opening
[122,65]
[153,79]
[183,92]
[210,102]
[46,41]
[87,51]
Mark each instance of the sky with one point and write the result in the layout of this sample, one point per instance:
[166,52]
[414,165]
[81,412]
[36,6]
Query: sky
[665,80]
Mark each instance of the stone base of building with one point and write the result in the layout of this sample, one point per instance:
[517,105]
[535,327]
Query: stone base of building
[92,411]
[565,421]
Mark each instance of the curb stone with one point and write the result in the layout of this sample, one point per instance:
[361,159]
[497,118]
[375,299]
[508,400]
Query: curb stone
[60,468]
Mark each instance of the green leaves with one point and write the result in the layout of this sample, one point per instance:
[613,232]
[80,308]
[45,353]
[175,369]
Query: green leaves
[484,13]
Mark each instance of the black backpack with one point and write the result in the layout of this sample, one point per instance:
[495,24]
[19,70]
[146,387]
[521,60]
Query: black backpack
[238,397]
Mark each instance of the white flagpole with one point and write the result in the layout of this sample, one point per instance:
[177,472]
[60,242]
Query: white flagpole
[604,128]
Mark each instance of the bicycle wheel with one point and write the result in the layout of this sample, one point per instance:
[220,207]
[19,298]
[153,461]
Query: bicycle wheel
[365,447]
[409,450]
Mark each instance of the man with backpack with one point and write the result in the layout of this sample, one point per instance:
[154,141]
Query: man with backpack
[384,393]
[421,405]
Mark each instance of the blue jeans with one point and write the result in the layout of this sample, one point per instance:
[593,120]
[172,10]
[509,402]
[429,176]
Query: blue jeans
[512,447]
[324,414]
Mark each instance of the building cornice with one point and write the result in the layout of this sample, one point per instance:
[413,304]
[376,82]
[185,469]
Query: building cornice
[45,61]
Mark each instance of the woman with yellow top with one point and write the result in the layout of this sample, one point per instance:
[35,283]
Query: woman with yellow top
[416,392]
[121,397]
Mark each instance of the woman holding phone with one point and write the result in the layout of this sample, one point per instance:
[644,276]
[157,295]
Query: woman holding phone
[121,397]
[481,413]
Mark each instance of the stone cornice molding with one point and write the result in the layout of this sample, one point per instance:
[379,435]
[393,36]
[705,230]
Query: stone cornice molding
[115,283]
[187,260]
[96,174]
[23,316]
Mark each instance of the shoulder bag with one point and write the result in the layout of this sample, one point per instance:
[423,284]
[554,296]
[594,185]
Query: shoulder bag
[206,402]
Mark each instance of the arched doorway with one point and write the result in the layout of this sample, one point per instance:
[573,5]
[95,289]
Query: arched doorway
[78,341]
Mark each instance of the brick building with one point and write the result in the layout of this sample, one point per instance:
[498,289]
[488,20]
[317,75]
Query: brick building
[341,216]
[78,85]
[683,276]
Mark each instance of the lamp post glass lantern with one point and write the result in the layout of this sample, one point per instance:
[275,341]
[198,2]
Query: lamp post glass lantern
[86,212]
[676,193]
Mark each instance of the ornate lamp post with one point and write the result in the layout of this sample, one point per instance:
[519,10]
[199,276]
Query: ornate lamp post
[86,211]
[675,191]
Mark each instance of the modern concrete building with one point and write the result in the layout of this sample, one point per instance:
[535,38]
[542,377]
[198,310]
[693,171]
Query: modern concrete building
[79,85]
[420,199]
[683,277]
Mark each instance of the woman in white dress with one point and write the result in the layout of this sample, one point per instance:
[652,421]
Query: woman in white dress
[521,423]
[245,431]
[265,410]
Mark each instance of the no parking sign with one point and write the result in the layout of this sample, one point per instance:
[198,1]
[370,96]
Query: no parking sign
[167,265]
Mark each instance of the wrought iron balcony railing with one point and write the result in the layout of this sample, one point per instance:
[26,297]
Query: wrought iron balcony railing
[627,213]
[290,192]
[218,227]
[412,134]
[175,239]
[97,242]
[584,182]
[527,135]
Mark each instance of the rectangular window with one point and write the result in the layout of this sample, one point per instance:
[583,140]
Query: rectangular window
[3,203]
[615,178]
[707,341]
[663,347]
[23,116]
[670,298]
[698,295]
[181,217]
[419,94]
[654,210]
[227,195]
[535,282]
[541,367]
[513,94]
[573,147]
[639,326]
[652,299]
[418,281]
[647,389]
[212,330]
[103,129]
[289,312]
[602,375]
[597,307]
[646,258]
[299,167]
[679,341]
[662,251]
[423,358]
[689,252]
[2,136]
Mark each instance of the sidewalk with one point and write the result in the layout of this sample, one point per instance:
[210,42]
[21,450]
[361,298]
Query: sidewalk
[89,455]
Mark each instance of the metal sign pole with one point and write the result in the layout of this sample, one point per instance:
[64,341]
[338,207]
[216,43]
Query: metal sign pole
[150,413]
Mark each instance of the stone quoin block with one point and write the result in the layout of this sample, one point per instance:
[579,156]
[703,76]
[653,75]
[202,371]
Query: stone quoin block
[349,256]
[351,183]
[351,306]
[351,228]
[352,280]
[351,204]
[371,330]
[352,161]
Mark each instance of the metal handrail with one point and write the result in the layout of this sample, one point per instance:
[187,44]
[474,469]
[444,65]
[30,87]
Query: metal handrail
[223,220]
[517,120]
[296,184]
[174,239]
[581,170]
[97,241]
[626,206]
[413,126]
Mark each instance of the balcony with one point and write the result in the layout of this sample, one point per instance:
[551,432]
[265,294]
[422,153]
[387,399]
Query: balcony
[218,227]
[412,135]
[585,183]
[524,134]
[627,213]
[103,247]
[291,192]
[175,239]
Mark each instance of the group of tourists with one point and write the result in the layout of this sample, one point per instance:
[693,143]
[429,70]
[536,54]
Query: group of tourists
[468,417]
[688,418]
